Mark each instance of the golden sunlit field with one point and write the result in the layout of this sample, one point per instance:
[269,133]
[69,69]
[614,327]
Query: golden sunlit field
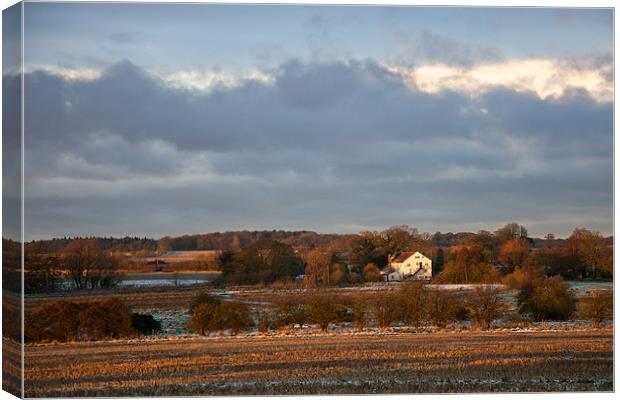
[364,363]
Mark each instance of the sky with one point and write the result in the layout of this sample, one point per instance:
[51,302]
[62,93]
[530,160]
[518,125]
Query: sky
[155,119]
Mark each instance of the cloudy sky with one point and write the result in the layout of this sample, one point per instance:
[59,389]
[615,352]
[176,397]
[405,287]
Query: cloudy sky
[170,119]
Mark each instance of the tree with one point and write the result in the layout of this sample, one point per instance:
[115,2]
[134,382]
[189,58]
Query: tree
[88,265]
[371,273]
[438,260]
[441,308]
[548,298]
[323,309]
[234,316]
[264,261]
[318,262]
[597,307]
[205,319]
[510,231]
[364,249]
[590,247]
[289,310]
[559,261]
[338,274]
[41,273]
[401,238]
[468,264]
[521,277]
[413,301]
[386,311]
[359,311]
[485,241]
[485,305]
[514,252]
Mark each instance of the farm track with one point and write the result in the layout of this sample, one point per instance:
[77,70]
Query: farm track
[405,363]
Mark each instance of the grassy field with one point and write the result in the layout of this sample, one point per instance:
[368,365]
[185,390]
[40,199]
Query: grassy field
[402,363]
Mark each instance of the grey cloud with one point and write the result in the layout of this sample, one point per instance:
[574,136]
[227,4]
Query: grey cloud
[428,46]
[566,127]
[330,147]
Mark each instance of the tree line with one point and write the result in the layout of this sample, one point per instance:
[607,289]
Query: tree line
[324,260]
[413,304]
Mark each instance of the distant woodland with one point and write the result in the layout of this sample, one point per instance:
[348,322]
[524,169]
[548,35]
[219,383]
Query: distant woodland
[316,259]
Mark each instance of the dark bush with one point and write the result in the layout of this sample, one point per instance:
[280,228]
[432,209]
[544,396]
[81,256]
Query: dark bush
[145,324]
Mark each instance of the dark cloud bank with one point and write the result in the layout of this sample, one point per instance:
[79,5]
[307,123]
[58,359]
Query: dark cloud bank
[332,147]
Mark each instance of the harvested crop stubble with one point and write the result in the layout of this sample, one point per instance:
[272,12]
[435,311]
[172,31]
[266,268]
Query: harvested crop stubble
[438,362]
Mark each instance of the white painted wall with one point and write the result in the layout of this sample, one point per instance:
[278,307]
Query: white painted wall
[411,265]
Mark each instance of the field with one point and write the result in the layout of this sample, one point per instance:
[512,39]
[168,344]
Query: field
[365,363]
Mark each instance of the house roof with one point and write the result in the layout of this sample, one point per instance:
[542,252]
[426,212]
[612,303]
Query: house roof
[403,256]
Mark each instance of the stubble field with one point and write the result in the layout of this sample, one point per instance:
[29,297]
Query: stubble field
[365,363]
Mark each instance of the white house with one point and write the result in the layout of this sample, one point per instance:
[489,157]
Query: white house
[409,265]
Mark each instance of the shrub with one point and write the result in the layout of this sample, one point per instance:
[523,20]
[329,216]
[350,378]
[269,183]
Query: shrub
[386,310]
[548,298]
[210,316]
[234,316]
[53,321]
[266,322]
[145,324]
[413,302]
[323,310]
[64,321]
[289,310]
[442,308]
[597,307]
[109,318]
[485,305]
[359,311]
[204,319]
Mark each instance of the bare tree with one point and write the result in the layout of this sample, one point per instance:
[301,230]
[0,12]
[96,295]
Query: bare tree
[88,265]
[485,305]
